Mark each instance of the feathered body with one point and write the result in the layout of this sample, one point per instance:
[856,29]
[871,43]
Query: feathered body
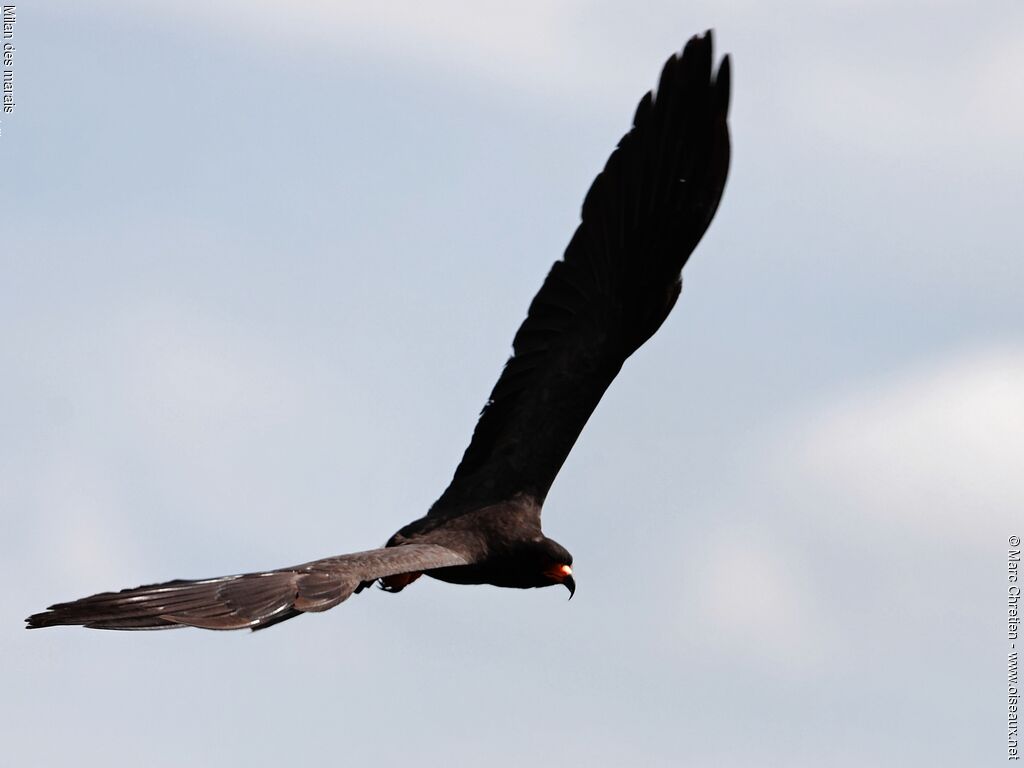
[617,282]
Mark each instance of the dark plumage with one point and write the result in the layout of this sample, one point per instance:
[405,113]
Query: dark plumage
[618,281]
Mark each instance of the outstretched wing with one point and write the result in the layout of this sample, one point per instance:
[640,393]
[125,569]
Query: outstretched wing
[253,600]
[616,284]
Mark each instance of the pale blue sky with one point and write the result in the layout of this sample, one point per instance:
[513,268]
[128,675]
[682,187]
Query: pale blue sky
[261,263]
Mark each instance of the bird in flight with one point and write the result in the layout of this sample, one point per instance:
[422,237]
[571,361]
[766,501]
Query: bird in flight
[614,287]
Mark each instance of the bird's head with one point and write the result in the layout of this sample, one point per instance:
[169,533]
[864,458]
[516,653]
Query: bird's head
[554,565]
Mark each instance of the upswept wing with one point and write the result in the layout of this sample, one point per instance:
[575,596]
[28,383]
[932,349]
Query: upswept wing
[616,284]
[251,600]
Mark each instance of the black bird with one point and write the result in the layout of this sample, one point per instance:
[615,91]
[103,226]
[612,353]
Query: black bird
[616,284]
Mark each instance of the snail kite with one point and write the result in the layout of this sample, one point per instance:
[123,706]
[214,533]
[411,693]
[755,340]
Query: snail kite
[614,287]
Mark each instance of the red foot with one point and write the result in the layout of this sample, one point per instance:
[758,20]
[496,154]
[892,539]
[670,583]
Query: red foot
[399,581]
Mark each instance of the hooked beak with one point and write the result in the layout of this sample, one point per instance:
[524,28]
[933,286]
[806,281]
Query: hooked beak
[562,574]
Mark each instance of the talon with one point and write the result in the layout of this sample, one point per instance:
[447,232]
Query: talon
[399,581]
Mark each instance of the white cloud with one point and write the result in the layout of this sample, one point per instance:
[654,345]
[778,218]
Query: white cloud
[931,454]
[172,419]
[889,90]
[78,528]
[187,374]
[522,45]
[905,100]
[750,597]
[999,89]
[936,450]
